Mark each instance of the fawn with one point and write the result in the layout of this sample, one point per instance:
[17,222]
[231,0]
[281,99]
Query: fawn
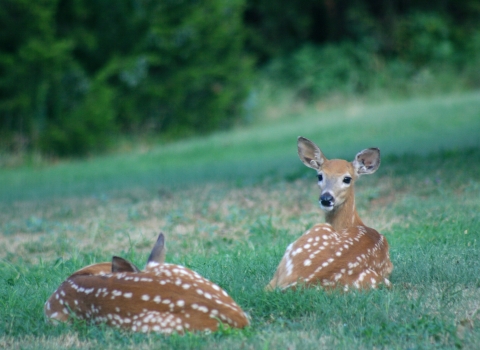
[163,298]
[343,252]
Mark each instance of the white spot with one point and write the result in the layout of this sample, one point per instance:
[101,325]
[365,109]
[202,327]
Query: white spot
[127,295]
[306,246]
[186,286]
[157,299]
[307,262]
[146,297]
[297,251]
[152,264]
[203,309]
[181,303]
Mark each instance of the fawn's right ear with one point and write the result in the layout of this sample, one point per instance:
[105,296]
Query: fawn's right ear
[122,265]
[309,153]
[158,252]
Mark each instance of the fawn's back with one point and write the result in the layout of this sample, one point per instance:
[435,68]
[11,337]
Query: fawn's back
[163,298]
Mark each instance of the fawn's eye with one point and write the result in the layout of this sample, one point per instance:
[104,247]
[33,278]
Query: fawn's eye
[347,179]
[320,177]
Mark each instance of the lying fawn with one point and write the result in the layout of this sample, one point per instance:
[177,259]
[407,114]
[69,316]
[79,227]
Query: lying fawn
[163,298]
[343,252]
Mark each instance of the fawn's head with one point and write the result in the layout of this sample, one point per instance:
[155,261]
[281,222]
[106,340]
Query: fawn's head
[336,177]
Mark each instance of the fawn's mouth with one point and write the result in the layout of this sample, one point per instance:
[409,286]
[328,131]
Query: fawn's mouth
[326,205]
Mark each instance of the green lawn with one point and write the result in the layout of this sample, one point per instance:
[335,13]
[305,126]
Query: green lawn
[230,203]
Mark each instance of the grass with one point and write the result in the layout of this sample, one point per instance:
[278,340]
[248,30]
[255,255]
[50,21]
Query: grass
[230,203]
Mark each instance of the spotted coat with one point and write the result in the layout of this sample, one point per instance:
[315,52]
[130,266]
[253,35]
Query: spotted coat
[163,298]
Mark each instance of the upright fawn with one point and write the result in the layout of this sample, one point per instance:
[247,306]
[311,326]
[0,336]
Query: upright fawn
[163,298]
[343,252]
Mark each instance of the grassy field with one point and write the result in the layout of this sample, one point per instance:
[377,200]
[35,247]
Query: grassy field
[230,203]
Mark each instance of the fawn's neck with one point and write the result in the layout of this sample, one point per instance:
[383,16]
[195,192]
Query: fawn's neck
[344,216]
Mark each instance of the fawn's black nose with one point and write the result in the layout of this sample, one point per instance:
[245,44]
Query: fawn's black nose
[327,200]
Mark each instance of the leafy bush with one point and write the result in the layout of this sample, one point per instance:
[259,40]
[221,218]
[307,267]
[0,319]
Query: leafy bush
[320,71]
[424,38]
[73,73]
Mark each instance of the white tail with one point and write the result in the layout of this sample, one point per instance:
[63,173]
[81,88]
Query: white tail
[163,298]
[343,252]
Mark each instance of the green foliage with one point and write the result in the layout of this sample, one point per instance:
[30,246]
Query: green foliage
[360,48]
[315,71]
[75,72]
[424,38]
[189,74]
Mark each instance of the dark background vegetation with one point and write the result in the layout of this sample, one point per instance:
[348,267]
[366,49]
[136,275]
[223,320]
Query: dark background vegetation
[74,73]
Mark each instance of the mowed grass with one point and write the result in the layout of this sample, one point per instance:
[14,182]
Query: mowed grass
[229,204]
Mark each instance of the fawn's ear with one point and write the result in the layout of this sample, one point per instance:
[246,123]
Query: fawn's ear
[122,265]
[309,153]
[158,252]
[367,161]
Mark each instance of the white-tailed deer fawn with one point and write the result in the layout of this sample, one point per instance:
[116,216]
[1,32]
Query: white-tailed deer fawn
[343,252]
[163,298]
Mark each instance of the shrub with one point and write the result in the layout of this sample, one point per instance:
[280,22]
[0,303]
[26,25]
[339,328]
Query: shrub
[320,71]
[73,73]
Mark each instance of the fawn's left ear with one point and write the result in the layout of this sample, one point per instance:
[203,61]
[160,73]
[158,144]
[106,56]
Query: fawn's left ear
[367,161]
[158,252]
[122,265]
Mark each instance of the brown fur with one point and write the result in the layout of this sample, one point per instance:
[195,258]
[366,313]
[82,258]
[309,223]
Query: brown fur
[343,252]
[164,298]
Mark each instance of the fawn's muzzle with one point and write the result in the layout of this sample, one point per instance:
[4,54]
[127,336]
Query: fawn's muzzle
[327,200]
